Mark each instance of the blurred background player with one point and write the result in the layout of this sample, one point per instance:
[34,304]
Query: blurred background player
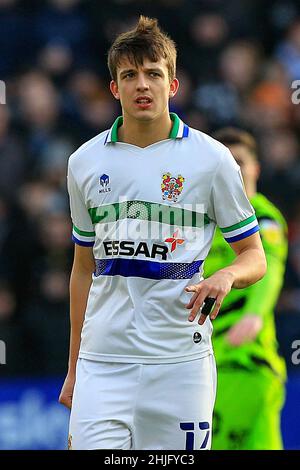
[251,373]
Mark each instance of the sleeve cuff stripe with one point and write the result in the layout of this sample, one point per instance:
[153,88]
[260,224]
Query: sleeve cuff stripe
[240,231]
[82,232]
[247,221]
[83,238]
[81,243]
[243,235]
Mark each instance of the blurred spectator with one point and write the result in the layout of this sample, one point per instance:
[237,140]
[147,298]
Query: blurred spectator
[219,102]
[46,324]
[273,71]
[52,167]
[7,303]
[53,248]
[61,27]
[240,65]
[37,199]
[294,280]
[12,159]
[96,114]
[16,43]
[91,103]
[209,30]
[281,169]
[197,119]
[11,332]
[288,51]
[207,34]
[40,117]
[182,101]
[280,151]
[221,99]
[269,106]
[282,14]
[56,59]
[54,235]
[16,249]
[39,101]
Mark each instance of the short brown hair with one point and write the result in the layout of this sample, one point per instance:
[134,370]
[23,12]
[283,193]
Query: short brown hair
[233,136]
[146,40]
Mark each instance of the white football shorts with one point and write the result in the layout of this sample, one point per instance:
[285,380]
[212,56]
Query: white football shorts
[143,406]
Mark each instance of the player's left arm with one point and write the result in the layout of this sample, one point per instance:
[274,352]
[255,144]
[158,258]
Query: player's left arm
[248,267]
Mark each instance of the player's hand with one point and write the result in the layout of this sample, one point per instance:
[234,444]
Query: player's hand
[216,286]
[245,330]
[66,394]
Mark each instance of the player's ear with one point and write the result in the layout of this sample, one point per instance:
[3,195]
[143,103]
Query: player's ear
[114,89]
[174,85]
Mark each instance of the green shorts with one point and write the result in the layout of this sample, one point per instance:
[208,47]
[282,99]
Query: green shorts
[247,410]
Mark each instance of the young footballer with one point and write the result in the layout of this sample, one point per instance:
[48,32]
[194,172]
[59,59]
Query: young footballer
[146,196]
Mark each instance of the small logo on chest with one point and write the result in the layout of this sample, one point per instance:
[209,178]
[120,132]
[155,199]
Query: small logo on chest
[171,187]
[104,184]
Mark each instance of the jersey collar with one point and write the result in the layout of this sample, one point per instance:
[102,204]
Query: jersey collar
[178,131]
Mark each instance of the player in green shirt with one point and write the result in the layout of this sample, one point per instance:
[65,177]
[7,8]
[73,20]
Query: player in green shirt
[251,374]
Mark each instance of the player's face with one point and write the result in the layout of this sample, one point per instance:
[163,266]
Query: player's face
[143,91]
[249,165]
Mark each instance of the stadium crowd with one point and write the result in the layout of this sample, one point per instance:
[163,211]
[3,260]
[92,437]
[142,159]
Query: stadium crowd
[237,61]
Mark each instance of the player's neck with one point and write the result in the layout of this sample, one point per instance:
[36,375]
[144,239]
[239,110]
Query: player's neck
[144,133]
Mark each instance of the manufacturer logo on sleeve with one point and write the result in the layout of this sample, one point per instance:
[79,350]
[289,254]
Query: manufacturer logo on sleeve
[104,184]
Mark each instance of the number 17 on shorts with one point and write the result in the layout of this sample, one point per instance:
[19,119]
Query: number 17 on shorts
[191,429]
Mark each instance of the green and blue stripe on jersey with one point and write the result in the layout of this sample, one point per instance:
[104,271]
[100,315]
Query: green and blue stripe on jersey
[82,238]
[241,230]
[149,212]
[146,211]
[141,210]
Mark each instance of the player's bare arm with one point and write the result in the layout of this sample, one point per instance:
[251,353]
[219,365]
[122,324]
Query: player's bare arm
[80,283]
[248,267]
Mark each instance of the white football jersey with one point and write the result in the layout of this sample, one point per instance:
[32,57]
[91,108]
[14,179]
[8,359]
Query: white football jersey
[150,215]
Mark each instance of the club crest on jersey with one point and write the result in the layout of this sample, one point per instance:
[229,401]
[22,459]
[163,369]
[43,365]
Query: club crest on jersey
[171,187]
[104,183]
